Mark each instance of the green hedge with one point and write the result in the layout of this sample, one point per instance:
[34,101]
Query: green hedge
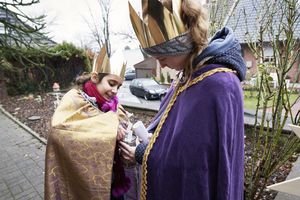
[40,68]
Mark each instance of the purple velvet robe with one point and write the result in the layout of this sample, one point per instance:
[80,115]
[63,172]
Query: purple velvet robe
[199,153]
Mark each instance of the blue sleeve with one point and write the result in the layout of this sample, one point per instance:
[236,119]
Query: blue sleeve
[139,152]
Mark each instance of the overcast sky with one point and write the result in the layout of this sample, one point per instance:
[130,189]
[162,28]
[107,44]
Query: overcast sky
[67,19]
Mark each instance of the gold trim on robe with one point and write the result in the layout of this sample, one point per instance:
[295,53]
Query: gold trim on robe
[178,90]
[80,150]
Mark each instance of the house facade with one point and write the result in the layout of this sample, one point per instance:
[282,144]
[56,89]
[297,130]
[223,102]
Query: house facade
[245,24]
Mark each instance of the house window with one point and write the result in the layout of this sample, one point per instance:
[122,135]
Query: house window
[249,64]
[269,59]
[268,55]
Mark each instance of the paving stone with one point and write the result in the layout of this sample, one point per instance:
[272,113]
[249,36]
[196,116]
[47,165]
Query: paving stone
[37,180]
[18,181]
[22,163]
[6,195]
[29,194]
[8,170]
[15,190]
[3,187]
[36,198]
[25,185]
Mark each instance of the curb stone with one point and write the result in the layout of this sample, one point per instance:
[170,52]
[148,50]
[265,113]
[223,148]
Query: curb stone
[22,125]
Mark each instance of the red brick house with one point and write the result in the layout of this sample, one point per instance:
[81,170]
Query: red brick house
[244,23]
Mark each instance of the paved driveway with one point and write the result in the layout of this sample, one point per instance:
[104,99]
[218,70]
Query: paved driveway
[21,163]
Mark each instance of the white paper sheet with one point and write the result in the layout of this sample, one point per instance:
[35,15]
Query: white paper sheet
[140,130]
[296,129]
[291,186]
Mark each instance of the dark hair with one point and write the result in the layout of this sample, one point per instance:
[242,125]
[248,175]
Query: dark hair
[85,77]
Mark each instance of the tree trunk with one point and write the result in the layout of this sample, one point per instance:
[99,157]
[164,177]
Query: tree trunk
[3,90]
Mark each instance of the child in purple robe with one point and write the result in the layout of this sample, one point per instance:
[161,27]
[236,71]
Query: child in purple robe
[197,148]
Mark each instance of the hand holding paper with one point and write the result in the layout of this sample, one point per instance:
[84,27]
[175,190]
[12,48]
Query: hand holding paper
[140,130]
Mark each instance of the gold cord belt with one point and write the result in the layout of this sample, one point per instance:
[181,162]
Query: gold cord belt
[163,119]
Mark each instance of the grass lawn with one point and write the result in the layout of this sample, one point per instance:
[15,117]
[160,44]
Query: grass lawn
[250,100]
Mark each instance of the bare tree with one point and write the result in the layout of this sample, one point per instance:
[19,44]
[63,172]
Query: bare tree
[220,12]
[130,36]
[276,22]
[100,29]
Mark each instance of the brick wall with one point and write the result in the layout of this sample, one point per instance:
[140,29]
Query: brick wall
[252,67]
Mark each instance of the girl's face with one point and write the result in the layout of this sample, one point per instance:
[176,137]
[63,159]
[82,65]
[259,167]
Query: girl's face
[108,86]
[173,62]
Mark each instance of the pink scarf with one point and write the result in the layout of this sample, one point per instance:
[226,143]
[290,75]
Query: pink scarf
[90,89]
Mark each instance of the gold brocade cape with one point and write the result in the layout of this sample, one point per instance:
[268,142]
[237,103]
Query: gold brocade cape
[80,150]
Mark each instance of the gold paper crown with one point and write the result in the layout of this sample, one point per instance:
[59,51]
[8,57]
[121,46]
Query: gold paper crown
[101,64]
[159,24]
